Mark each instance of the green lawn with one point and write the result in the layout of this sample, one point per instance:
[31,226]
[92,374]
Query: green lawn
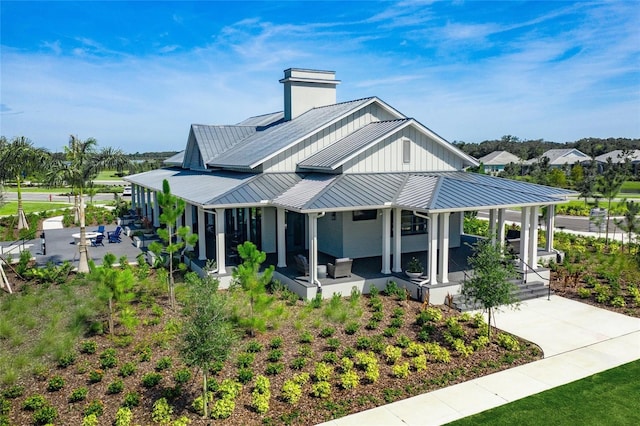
[108,175]
[631,186]
[59,190]
[607,398]
[31,206]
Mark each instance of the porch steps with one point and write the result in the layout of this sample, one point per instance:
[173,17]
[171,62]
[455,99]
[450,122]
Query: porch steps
[524,291]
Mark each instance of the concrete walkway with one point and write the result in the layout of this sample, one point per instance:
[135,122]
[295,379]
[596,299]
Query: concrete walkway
[578,340]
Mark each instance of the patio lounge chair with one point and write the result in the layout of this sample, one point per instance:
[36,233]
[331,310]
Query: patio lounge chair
[302,264]
[97,241]
[342,268]
[100,230]
[114,236]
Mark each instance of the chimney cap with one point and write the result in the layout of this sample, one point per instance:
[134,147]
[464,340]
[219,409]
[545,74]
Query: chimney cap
[302,75]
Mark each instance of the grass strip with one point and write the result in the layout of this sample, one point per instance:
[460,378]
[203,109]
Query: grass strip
[610,398]
[11,208]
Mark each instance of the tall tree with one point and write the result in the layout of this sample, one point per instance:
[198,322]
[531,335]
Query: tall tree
[207,333]
[490,285]
[81,164]
[172,207]
[18,159]
[608,185]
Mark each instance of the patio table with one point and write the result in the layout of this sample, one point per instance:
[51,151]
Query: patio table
[88,236]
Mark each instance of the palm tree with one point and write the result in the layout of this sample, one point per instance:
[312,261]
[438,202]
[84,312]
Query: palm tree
[17,159]
[81,165]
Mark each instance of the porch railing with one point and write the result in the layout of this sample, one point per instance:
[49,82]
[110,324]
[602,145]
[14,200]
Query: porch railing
[529,267]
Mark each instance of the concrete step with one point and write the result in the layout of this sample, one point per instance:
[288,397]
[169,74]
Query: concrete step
[524,291]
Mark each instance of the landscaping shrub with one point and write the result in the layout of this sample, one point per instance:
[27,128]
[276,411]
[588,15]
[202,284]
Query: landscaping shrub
[131,399]
[162,411]
[94,407]
[108,358]
[150,380]
[127,369]
[182,376]
[55,384]
[123,417]
[321,390]
[164,363]
[116,386]
[401,370]
[45,415]
[349,379]
[274,355]
[79,394]
[508,342]
[34,402]
[291,391]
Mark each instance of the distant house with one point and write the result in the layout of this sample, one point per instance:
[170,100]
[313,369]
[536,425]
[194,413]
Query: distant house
[495,161]
[619,156]
[325,182]
[559,157]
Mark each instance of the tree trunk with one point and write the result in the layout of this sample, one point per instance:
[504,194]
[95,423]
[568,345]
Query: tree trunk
[205,397]
[22,219]
[83,263]
[489,328]
[111,316]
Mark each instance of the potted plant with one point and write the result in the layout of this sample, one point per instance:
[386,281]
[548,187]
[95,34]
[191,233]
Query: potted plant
[414,268]
[148,227]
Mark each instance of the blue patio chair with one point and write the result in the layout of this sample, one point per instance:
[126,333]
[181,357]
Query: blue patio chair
[114,236]
[97,241]
[100,230]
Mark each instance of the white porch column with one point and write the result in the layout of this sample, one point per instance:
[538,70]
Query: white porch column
[188,219]
[492,225]
[443,238]
[524,238]
[433,248]
[202,243]
[247,222]
[221,254]
[281,237]
[386,241]
[140,195]
[134,193]
[147,206]
[313,248]
[551,218]
[156,210]
[533,239]
[397,240]
[501,228]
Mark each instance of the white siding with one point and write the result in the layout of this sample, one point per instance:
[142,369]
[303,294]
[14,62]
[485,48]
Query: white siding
[287,160]
[387,156]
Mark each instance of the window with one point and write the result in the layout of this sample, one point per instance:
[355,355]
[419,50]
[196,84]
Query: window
[411,224]
[364,215]
[406,151]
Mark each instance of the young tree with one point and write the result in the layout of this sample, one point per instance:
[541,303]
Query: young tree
[608,185]
[490,284]
[172,207]
[630,222]
[254,284]
[207,333]
[114,286]
[18,159]
[80,166]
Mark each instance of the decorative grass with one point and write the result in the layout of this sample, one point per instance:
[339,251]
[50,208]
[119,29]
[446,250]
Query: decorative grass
[607,398]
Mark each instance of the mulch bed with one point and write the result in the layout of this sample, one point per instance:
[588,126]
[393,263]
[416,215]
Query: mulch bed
[152,332]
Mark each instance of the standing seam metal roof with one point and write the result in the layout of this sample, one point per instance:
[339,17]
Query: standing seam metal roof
[259,147]
[215,140]
[438,191]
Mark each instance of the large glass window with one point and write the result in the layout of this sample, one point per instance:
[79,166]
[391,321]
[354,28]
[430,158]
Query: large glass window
[412,224]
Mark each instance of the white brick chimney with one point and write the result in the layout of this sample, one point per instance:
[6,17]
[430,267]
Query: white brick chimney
[306,89]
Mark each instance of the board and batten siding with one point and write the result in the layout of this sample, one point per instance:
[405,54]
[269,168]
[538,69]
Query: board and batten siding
[426,155]
[288,160]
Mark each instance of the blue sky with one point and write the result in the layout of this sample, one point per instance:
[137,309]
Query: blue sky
[135,75]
